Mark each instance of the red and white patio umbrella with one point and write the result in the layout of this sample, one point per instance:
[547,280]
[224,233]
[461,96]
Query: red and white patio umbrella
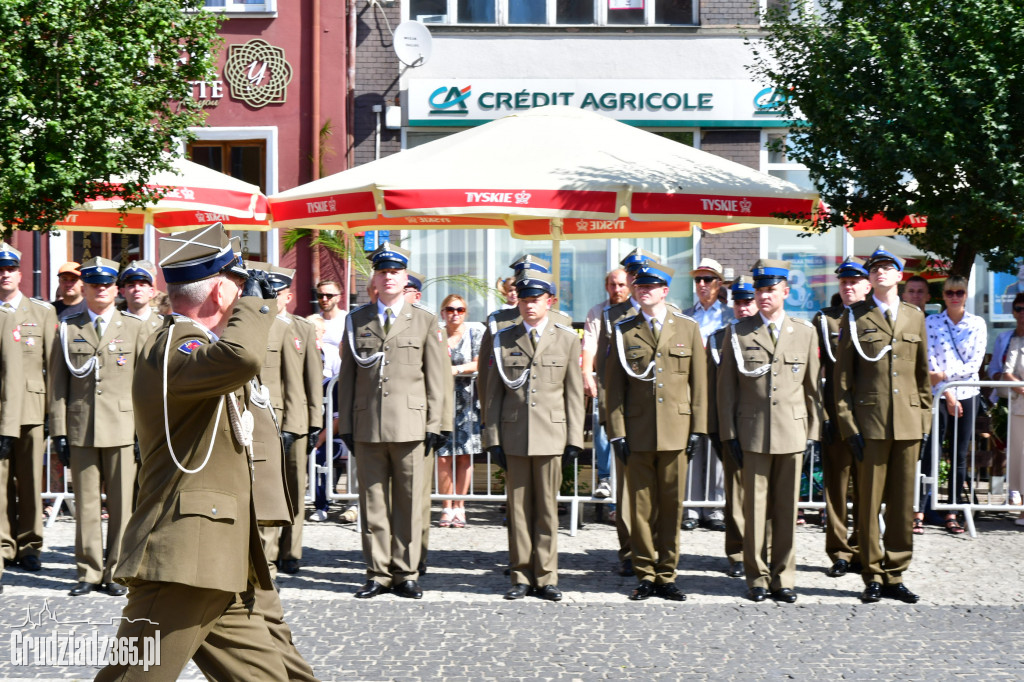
[194,196]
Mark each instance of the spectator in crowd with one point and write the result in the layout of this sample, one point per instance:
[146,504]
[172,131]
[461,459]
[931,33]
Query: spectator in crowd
[507,289]
[915,291]
[162,303]
[328,297]
[957,341]
[1013,370]
[463,348]
[70,300]
[617,286]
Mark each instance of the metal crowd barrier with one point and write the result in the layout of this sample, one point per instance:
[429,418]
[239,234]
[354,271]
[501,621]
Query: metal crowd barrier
[62,494]
[994,501]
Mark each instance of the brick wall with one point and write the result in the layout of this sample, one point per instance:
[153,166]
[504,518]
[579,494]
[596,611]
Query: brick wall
[737,250]
[376,80]
[728,12]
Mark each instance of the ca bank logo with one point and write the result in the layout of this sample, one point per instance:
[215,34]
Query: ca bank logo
[450,101]
[768,101]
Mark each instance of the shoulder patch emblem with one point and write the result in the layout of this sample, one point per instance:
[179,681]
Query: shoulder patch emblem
[16,333]
[190,346]
[298,343]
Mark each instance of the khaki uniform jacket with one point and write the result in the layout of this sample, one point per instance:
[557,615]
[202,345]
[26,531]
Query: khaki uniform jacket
[196,529]
[546,413]
[401,397]
[659,415]
[779,411]
[34,324]
[95,411]
[273,496]
[890,399]
[831,317]
[151,324]
[302,357]
[284,390]
[714,353]
[12,378]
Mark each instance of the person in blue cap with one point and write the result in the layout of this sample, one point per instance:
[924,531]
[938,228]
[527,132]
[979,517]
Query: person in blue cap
[32,324]
[883,404]
[769,421]
[534,419]
[743,305]
[136,286]
[391,401]
[656,381]
[838,466]
[92,424]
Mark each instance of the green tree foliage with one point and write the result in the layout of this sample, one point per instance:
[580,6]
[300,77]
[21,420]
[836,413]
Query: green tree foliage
[90,89]
[910,107]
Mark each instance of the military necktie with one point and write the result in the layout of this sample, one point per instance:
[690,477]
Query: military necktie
[534,337]
[99,327]
[772,330]
[387,320]
[888,316]
[656,329]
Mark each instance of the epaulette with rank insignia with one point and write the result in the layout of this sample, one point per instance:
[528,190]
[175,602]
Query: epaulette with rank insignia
[568,329]
[686,317]
[128,314]
[802,321]
[284,318]
[911,305]
[422,307]
[42,304]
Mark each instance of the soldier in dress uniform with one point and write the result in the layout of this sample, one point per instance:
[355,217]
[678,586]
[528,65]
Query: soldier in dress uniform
[883,403]
[192,556]
[12,381]
[92,422]
[534,419]
[838,466]
[611,316]
[33,325]
[769,421]
[742,289]
[136,284]
[391,399]
[656,387]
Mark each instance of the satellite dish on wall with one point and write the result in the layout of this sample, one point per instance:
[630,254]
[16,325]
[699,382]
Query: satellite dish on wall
[413,43]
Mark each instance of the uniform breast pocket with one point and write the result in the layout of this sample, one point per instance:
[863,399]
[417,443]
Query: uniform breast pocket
[215,505]
[872,342]
[273,358]
[31,340]
[409,352]
[119,360]
[553,368]
[753,359]
[911,338]
[366,348]
[680,359]
[794,363]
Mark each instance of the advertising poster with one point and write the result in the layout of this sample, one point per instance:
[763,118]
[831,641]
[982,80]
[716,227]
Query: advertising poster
[808,281]
[1004,287]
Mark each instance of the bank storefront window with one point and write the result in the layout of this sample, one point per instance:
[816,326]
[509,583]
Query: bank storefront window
[555,12]
[812,263]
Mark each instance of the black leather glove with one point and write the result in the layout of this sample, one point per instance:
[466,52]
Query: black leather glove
[926,446]
[288,440]
[257,284]
[6,444]
[621,448]
[498,456]
[432,443]
[572,453]
[349,442]
[735,450]
[137,452]
[828,433]
[694,445]
[812,450]
[312,436]
[60,445]
[856,443]
[716,443]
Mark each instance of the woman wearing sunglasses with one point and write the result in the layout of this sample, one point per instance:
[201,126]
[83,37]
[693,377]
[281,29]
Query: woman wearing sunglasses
[464,348]
[957,341]
[1013,370]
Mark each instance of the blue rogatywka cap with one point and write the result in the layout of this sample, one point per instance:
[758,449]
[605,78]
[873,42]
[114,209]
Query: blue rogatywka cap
[654,273]
[530,283]
[742,288]
[769,272]
[881,255]
[99,270]
[851,267]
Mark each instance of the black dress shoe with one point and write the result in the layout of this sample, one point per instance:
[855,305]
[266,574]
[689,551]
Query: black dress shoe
[30,562]
[757,594]
[82,588]
[518,591]
[785,595]
[872,593]
[715,524]
[642,591]
[689,524]
[549,592]
[115,590]
[626,568]
[371,589]
[899,592]
[669,591]
[735,569]
[410,589]
[840,568]
[290,566]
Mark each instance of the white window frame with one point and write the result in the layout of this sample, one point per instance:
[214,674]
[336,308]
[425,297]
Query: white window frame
[806,8]
[600,15]
[236,8]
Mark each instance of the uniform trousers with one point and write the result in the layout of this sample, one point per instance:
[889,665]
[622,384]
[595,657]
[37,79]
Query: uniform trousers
[428,487]
[887,476]
[21,496]
[226,634]
[290,543]
[770,487]
[654,485]
[841,541]
[391,509]
[623,514]
[733,508]
[531,485]
[91,469]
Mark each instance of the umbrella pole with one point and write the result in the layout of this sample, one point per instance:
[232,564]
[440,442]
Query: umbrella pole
[556,253]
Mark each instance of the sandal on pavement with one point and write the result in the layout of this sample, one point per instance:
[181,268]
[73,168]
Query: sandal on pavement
[459,520]
[446,518]
[918,527]
[953,527]
[800,520]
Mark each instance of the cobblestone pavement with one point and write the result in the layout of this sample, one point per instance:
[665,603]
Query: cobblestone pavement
[968,624]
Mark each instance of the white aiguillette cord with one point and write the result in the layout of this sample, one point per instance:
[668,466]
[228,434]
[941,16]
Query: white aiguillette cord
[824,336]
[856,341]
[625,365]
[366,362]
[496,354]
[91,364]
[754,373]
